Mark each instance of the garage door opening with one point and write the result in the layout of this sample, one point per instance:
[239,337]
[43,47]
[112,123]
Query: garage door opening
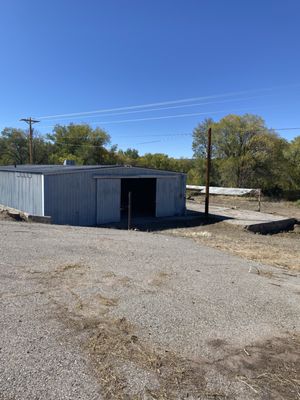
[143,196]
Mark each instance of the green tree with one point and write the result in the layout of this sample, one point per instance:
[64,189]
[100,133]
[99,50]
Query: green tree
[81,143]
[245,152]
[293,158]
[199,145]
[42,150]
[13,146]
[196,175]
[129,156]
[157,160]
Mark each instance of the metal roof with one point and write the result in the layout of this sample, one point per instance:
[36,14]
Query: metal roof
[52,169]
[62,169]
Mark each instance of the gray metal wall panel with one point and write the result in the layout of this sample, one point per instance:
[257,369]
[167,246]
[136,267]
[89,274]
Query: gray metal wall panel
[71,198]
[165,197]
[180,195]
[170,196]
[183,188]
[23,191]
[108,200]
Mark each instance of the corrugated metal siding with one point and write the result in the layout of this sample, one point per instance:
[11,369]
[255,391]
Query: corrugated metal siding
[170,196]
[108,200]
[71,198]
[182,195]
[22,191]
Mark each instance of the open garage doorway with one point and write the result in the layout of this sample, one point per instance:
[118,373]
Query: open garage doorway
[143,197]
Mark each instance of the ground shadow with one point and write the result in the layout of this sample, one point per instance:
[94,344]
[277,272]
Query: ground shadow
[152,224]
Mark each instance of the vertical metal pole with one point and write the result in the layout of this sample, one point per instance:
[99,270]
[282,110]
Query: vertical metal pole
[30,141]
[208,162]
[129,210]
[259,199]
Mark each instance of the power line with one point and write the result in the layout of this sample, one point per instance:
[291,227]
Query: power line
[165,137]
[228,94]
[162,117]
[164,108]
[152,109]
[156,141]
[171,135]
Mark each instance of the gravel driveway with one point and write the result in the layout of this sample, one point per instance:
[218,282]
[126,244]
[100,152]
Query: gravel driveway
[89,313]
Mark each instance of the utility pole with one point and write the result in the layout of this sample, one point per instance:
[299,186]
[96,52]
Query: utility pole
[30,122]
[208,162]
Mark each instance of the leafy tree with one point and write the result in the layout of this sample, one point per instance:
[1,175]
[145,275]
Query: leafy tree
[245,152]
[132,154]
[157,160]
[81,143]
[13,146]
[129,156]
[199,145]
[292,153]
[42,150]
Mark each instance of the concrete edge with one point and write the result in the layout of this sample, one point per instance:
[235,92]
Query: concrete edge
[38,218]
[24,216]
[272,226]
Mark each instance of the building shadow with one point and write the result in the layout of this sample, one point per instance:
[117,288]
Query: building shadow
[152,224]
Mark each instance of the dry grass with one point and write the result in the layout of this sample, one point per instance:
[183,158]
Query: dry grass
[281,250]
[130,368]
[66,267]
[267,370]
[115,344]
[159,279]
[271,369]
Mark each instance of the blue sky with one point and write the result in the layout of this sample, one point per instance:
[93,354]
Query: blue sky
[61,57]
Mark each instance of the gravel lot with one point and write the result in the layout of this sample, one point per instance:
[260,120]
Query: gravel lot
[89,313]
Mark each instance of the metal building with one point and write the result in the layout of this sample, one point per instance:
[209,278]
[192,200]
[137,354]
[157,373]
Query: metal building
[91,195]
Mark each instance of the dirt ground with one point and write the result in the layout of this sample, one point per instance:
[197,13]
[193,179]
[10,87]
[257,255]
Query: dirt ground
[280,250]
[268,205]
[94,314]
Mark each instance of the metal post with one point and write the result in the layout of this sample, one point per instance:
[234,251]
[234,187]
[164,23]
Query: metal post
[30,121]
[259,199]
[208,162]
[129,210]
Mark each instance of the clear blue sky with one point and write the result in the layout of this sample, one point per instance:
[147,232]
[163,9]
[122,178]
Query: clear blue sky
[63,56]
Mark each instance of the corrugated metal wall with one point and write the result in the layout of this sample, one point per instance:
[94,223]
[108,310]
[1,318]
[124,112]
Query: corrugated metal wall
[70,198]
[108,200]
[170,196]
[23,191]
[73,198]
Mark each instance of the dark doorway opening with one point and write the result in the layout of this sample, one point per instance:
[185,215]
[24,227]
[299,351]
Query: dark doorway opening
[143,196]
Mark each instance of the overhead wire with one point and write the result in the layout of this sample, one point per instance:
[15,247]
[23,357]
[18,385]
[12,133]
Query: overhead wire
[162,103]
[163,108]
[165,137]
[163,117]
[147,110]
[142,108]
